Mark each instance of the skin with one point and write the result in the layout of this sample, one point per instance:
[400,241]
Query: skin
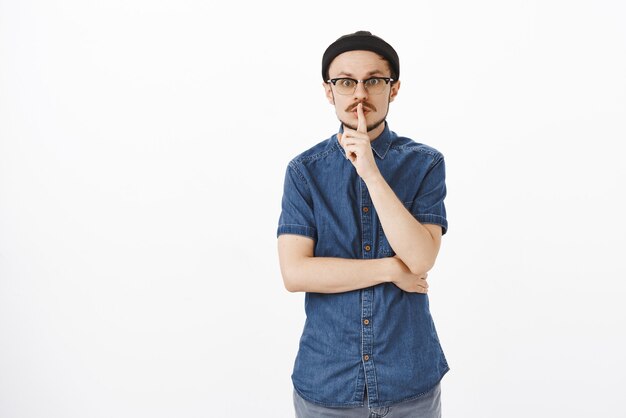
[375,107]
[416,245]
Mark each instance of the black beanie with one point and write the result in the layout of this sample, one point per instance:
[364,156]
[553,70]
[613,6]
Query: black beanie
[361,40]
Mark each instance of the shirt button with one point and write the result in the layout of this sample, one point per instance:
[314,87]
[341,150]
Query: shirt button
[366,357]
[367,248]
[366,209]
[366,321]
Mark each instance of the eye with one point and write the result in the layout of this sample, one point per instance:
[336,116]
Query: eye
[347,82]
[372,82]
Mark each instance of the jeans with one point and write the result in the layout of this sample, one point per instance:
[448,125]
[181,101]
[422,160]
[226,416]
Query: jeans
[426,406]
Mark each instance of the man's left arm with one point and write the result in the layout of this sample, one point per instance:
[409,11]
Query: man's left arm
[416,244]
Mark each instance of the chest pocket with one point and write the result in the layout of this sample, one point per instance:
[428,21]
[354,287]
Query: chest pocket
[385,249]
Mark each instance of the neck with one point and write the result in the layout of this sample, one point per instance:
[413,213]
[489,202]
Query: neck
[375,133]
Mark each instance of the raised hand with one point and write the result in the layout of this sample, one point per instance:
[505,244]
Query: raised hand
[358,148]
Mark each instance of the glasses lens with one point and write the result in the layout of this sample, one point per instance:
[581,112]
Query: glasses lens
[345,85]
[375,85]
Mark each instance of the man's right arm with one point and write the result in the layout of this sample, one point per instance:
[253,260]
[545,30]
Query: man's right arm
[303,272]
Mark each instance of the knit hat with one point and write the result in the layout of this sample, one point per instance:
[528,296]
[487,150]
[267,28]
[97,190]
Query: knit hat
[360,40]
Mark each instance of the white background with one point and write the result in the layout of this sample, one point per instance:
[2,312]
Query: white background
[142,151]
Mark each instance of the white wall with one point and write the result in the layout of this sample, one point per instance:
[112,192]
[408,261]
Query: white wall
[142,152]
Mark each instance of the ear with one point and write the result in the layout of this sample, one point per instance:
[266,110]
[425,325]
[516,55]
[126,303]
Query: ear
[394,90]
[329,93]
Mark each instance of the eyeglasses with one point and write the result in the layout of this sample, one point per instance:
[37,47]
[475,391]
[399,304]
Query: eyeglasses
[347,86]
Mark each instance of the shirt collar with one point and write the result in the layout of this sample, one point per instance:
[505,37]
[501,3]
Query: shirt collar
[380,145]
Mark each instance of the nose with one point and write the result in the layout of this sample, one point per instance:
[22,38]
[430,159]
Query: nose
[360,93]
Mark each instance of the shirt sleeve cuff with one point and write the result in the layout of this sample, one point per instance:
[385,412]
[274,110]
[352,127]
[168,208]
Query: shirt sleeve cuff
[307,231]
[433,219]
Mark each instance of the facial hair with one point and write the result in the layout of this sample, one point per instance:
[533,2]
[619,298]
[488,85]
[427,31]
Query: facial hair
[371,126]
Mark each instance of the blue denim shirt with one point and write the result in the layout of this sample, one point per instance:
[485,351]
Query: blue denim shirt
[379,337]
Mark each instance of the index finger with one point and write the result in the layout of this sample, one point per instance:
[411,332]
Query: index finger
[362,124]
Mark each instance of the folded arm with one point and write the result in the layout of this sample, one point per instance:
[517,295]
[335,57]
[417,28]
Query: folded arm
[303,272]
[415,243]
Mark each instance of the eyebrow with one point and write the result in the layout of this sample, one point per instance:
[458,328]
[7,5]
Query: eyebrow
[371,73]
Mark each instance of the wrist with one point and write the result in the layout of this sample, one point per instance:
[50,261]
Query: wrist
[373,178]
[392,269]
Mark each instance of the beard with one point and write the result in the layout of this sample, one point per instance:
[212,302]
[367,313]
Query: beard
[370,127]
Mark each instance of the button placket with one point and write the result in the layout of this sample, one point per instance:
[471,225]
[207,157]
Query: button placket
[367,296]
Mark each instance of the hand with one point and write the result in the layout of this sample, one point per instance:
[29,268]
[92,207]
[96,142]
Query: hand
[407,281]
[358,147]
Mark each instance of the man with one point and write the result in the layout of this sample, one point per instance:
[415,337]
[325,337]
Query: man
[361,225]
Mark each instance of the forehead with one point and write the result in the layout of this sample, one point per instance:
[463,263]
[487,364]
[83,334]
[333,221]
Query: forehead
[358,64]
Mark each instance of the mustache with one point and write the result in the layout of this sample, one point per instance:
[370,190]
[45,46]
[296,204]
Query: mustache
[365,106]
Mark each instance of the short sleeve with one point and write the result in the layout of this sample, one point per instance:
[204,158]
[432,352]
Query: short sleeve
[296,215]
[428,206]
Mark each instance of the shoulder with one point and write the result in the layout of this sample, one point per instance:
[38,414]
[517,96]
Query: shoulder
[318,151]
[408,146]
